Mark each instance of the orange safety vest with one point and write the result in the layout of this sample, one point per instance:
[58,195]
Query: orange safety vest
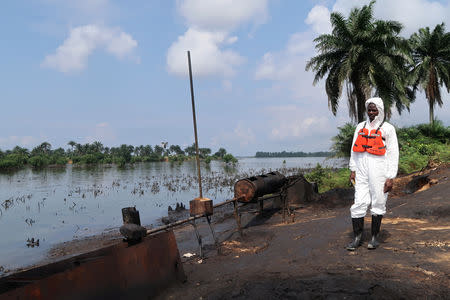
[371,142]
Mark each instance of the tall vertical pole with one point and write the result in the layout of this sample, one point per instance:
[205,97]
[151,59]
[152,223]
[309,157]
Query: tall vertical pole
[195,126]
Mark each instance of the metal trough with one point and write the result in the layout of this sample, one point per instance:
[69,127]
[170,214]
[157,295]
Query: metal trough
[115,272]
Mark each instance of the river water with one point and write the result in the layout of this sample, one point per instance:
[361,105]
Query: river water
[57,205]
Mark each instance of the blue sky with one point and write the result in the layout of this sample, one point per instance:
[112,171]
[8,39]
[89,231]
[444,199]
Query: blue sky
[116,72]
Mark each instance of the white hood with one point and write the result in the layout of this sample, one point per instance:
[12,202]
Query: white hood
[380,106]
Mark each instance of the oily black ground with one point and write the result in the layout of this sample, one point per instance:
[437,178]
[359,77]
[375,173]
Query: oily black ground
[307,258]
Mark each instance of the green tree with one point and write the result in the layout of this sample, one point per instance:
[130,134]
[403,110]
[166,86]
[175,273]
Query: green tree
[431,66]
[176,149]
[229,158]
[97,146]
[21,151]
[342,142]
[220,153]
[42,149]
[204,152]
[146,150]
[124,152]
[365,55]
[190,150]
[158,150]
[72,144]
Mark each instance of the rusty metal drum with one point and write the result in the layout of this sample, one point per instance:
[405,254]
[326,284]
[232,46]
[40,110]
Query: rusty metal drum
[249,189]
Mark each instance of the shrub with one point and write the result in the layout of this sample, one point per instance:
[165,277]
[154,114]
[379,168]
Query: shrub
[229,158]
[57,160]
[120,161]
[151,158]
[327,178]
[12,161]
[38,161]
[107,160]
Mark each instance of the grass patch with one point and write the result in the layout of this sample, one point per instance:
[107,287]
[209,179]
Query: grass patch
[329,178]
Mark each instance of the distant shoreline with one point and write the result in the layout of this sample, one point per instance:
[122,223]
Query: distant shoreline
[285,154]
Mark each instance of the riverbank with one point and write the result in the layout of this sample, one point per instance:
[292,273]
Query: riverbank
[307,257]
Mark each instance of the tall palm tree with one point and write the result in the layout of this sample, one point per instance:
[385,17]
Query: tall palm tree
[367,56]
[97,147]
[431,68]
[72,144]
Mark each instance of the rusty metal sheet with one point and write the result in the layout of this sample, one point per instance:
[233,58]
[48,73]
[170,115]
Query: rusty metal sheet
[300,191]
[116,272]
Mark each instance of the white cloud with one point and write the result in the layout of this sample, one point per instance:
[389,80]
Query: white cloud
[207,55]
[319,19]
[73,54]
[222,15]
[413,14]
[410,13]
[210,26]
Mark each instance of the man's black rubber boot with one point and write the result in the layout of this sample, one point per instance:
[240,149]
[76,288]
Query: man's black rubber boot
[358,225]
[376,224]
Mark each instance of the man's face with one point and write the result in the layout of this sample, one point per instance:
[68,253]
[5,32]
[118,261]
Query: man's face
[372,111]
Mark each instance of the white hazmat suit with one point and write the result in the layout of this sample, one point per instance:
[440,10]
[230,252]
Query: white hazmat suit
[371,170]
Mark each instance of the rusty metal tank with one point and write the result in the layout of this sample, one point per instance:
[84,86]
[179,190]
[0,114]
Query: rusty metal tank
[300,191]
[249,189]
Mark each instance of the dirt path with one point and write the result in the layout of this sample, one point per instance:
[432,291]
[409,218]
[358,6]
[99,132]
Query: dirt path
[308,259]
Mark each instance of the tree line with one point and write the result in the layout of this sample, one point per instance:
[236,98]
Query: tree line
[96,153]
[293,154]
[367,57]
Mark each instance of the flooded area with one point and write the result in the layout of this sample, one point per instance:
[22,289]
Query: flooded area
[57,205]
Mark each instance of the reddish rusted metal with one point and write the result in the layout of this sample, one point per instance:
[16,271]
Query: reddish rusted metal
[119,271]
[249,189]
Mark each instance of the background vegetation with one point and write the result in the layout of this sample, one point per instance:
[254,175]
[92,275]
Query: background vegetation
[95,153]
[419,146]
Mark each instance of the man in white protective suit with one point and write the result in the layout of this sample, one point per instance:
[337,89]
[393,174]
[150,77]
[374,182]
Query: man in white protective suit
[373,165]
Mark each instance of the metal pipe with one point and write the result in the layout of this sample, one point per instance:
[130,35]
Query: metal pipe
[177,223]
[238,218]
[216,240]
[181,222]
[199,238]
[195,126]
[225,202]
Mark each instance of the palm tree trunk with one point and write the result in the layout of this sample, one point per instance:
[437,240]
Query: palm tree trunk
[358,89]
[360,104]
[431,112]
